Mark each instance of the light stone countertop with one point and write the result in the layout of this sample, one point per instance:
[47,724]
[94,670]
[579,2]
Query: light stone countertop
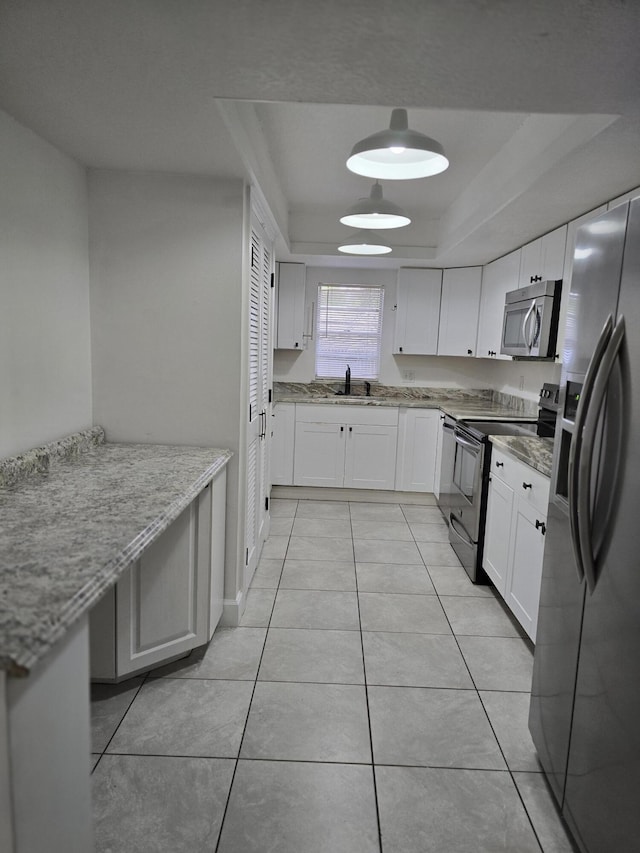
[459,403]
[70,528]
[533,450]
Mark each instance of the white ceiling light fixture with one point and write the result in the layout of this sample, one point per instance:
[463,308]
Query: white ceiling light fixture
[398,154]
[375,212]
[364,243]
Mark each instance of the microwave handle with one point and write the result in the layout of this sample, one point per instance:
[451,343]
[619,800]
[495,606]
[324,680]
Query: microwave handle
[527,317]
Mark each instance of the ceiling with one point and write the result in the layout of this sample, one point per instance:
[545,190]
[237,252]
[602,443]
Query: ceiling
[536,102]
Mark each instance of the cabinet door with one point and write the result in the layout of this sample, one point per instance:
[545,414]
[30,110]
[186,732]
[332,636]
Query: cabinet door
[497,544]
[370,458]
[459,310]
[282,443]
[543,259]
[291,290]
[162,601]
[319,454]
[498,278]
[217,528]
[417,311]
[553,250]
[523,584]
[417,446]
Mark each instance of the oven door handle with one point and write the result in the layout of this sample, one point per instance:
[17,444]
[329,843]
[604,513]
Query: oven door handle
[465,442]
[468,541]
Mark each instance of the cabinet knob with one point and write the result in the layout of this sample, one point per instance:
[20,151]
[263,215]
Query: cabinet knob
[469,352]
[341,429]
[296,345]
[399,349]
[499,464]
[350,429]
[527,485]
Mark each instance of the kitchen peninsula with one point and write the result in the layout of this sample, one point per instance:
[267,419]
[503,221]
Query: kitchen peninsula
[77,517]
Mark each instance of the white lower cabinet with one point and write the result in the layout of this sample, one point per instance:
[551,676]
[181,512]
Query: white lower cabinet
[514,535]
[170,600]
[418,433]
[348,446]
[283,420]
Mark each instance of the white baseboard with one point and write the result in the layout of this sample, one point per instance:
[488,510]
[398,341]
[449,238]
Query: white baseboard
[323,493]
[232,610]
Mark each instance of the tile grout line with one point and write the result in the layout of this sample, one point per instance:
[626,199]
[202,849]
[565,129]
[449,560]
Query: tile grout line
[477,690]
[366,691]
[253,691]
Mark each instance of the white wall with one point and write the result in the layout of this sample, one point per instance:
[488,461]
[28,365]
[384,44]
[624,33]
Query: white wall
[45,354]
[166,315]
[522,378]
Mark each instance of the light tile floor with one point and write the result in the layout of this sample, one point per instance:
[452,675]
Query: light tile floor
[373,699]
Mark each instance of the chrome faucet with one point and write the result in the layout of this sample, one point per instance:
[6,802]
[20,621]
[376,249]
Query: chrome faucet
[347,381]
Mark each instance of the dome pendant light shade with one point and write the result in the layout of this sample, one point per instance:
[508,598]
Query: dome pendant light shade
[364,243]
[398,153]
[375,212]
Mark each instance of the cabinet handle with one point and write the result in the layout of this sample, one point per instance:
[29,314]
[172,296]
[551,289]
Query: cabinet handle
[527,485]
[350,429]
[491,352]
[499,464]
[541,526]
[534,278]
[399,349]
[469,352]
[341,429]
[296,345]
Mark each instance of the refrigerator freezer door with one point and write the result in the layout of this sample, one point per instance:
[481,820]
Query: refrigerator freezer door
[593,296]
[603,778]
[593,289]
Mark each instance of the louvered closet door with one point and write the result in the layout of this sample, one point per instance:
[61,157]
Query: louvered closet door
[260,347]
[254,419]
[266,348]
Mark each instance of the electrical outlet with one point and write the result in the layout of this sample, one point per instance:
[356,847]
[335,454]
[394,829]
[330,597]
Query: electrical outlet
[521,383]
[409,375]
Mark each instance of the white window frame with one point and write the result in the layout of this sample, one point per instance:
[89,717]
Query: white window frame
[358,344]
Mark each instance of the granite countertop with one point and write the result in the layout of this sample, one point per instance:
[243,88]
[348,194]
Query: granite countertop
[74,518]
[534,450]
[480,404]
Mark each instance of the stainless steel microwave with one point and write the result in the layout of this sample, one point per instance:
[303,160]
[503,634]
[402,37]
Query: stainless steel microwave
[530,323]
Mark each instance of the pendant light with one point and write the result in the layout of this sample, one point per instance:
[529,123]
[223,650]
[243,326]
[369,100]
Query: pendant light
[375,212]
[364,243]
[398,153]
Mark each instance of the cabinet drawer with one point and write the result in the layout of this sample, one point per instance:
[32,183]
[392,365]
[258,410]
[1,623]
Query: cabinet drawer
[366,415]
[527,483]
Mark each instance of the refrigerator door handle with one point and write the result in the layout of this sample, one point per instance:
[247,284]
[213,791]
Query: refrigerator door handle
[575,450]
[585,464]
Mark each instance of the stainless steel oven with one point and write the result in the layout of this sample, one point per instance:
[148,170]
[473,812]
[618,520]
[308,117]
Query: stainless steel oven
[470,482]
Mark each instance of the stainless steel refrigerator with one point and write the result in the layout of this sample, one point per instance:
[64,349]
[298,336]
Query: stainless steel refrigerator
[585,702]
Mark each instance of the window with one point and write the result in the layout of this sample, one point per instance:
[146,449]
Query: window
[349,330]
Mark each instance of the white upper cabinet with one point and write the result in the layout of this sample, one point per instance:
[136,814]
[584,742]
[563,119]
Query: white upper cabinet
[417,311]
[621,199]
[290,311]
[498,278]
[543,259]
[459,310]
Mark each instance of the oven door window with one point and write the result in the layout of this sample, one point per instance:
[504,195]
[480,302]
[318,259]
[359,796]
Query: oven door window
[465,467]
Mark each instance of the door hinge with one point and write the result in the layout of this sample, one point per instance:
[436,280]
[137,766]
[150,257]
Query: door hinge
[273,279]
[270,394]
[266,503]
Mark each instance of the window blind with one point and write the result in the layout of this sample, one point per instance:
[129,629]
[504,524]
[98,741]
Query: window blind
[349,330]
